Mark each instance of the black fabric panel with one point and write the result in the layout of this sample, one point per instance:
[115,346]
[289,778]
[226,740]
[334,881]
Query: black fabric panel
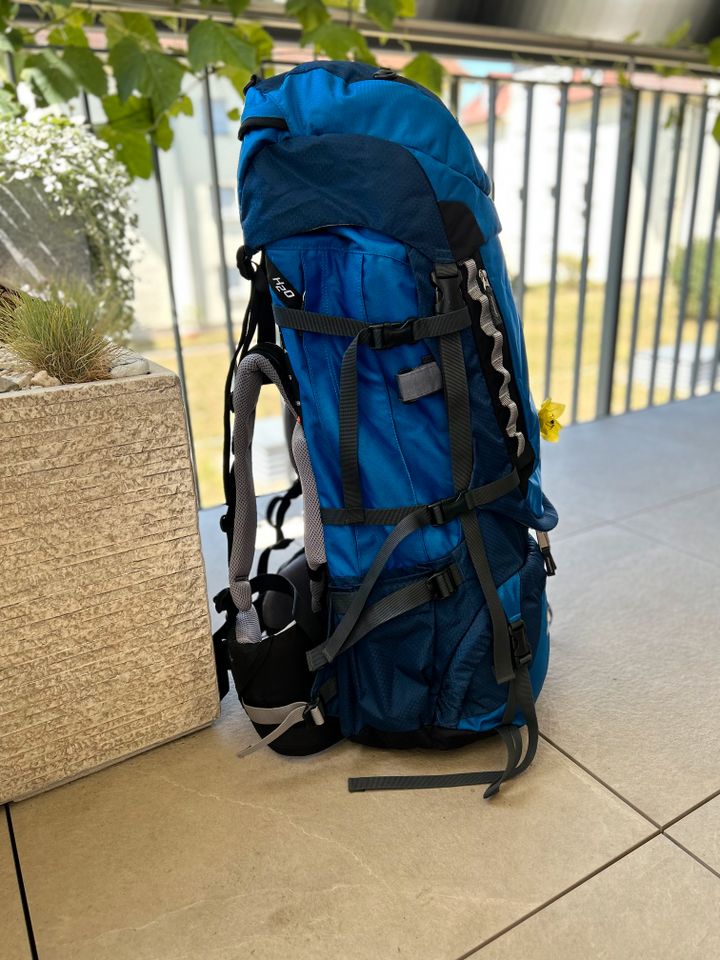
[464,235]
[311,183]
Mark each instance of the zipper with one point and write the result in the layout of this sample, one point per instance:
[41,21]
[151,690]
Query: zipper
[491,324]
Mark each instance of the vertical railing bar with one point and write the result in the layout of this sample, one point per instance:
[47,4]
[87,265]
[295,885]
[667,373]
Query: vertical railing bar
[616,253]
[556,238]
[716,359]
[455,96]
[492,107]
[657,97]
[582,292]
[217,211]
[666,246]
[86,107]
[173,304]
[529,88]
[687,260]
[706,287]
[11,67]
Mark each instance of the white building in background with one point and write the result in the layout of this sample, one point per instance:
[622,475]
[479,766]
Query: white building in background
[199,271]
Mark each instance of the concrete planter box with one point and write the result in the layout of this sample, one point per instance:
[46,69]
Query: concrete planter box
[105,648]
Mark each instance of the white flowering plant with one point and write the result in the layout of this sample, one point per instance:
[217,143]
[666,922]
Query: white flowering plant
[80,178]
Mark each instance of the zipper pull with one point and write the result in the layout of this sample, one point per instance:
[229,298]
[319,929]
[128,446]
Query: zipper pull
[544,543]
[484,281]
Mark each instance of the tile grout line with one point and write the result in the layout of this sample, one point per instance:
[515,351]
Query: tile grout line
[21,886]
[602,782]
[559,896]
[694,856]
[686,813]
[666,503]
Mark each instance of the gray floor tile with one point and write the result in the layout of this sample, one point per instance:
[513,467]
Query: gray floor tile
[13,935]
[614,467]
[188,853]
[657,903]
[632,687]
[691,524]
[699,832]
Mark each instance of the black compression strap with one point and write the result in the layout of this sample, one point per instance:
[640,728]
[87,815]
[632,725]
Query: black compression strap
[376,335]
[443,511]
[422,516]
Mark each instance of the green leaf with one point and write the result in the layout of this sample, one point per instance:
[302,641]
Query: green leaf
[135,25]
[161,80]
[210,42]
[338,41]
[311,13]
[406,8]
[383,12]
[134,115]
[131,148]
[632,37]
[677,35]
[128,63]
[716,128]
[258,37]
[233,114]
[12,40]
[162,135]
[713,52]
[236,7]
[183,105]
[426,70]
[237,77]
[88,69]
[67,34]
[53,79]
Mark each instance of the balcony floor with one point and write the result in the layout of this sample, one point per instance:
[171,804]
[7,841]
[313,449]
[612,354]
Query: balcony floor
[609,846]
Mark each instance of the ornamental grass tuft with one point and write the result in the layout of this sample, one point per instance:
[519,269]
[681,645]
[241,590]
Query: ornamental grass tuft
[66,334]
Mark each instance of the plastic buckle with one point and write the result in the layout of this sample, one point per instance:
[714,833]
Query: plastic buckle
[522,653]
[315,711]
[443,511]
[223,523]
[384,335]
[385,74]
[446,279]
[445,582]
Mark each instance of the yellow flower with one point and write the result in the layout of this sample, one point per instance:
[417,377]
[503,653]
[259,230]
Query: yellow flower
[550,425]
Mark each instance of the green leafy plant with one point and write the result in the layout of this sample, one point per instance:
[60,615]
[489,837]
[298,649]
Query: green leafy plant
[81,180]
[696,277]
[67,335]
[140,79]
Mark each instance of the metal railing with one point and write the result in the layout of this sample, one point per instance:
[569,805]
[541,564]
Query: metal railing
[628,181]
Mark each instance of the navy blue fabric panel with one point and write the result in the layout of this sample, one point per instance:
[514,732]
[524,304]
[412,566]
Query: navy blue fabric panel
[307,183]
[421,667]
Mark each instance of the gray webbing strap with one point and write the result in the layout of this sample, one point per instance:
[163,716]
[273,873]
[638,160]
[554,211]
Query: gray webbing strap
[272,715]
[422,516]
[377,335]
[389,516]
[437,587]
[289,716]
[419,382]
[251,373]
[327,651]
[295,716]
[502,657]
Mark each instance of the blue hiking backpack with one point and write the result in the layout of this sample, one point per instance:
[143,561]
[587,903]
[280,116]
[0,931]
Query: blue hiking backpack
[382,311]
